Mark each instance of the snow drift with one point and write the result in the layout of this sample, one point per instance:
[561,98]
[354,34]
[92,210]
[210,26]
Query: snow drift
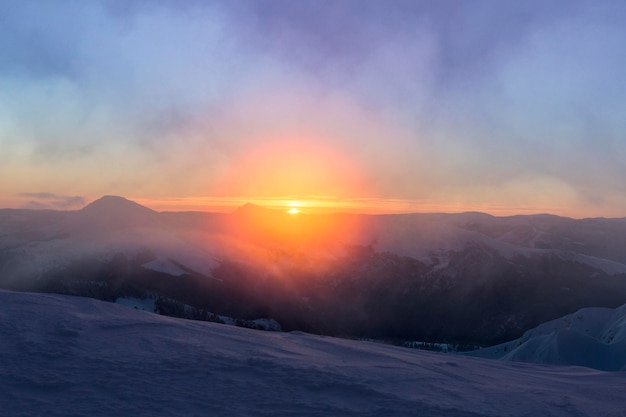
[592,337]
[69,356]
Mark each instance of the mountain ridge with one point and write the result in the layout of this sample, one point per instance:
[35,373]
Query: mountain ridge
[392,277]
[115,203]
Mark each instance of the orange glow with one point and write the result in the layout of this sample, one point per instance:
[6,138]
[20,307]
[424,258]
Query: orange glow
[320,204]
[293,167]
[291,229]
[305,175]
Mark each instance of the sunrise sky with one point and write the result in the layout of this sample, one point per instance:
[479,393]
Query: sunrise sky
[382,106]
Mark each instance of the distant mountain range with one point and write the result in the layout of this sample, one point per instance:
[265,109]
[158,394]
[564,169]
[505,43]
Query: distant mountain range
[457,278]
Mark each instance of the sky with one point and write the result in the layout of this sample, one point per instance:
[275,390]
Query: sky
[384,106]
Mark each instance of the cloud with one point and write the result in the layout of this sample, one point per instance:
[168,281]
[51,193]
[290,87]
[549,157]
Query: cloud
[162,98]
[43,200]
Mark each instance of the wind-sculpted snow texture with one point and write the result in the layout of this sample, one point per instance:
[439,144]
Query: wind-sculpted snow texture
[70,356]
[593,337]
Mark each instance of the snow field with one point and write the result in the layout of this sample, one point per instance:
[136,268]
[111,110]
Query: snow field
[68,356]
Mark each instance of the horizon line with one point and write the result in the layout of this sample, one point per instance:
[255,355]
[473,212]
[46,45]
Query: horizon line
[327,205]
[354,205]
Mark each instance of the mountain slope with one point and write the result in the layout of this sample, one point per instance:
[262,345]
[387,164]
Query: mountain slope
[36,243]
[66,356]
[457,278]
[592,337]
[113,212]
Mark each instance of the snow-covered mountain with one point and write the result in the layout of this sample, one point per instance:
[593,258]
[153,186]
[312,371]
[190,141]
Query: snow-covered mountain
[466,278]
[34,242]
[592,337]
[72,356]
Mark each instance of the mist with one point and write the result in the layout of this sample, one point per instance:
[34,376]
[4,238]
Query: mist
[478,106]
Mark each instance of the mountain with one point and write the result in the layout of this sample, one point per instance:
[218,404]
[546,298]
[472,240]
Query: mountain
[114,206]
[117,210]
[35,245]
[456,278]
[592,337]
[71,356]
[110,216]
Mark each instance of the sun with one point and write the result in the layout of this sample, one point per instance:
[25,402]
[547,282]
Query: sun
[294,206]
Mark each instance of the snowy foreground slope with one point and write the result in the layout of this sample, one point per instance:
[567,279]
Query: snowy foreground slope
[593,337]
[66,356]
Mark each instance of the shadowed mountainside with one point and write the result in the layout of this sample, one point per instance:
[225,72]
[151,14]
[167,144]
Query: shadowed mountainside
[463,278]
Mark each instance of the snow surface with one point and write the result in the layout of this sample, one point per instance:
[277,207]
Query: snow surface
[593,337]
[43,241]
[431,238]
[606,265]
[166,266]
[70,356]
